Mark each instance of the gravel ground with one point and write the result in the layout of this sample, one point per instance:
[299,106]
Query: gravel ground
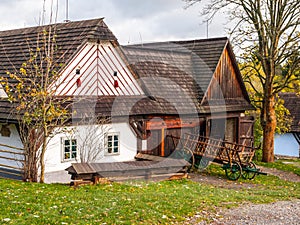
[278,213]
[285,212]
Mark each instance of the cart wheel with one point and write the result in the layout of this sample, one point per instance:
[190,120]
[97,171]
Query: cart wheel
[185,154]
[249,172]
[234,171]
[202,163]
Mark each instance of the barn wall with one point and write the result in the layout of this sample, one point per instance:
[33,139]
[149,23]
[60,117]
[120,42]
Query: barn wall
[286,145]
[225,83]
[55,165]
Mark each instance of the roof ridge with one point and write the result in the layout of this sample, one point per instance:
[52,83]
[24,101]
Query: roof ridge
[51,24]
[182,41]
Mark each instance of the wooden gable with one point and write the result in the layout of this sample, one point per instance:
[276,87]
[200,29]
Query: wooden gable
[226,82]
[97,69]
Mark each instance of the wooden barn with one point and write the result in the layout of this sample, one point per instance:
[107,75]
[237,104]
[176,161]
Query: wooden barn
[149,92]
[200,88]
[288,144]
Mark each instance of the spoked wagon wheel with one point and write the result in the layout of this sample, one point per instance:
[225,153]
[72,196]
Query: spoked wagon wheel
[249,172]
[185,154]
[202,163]
[233,171]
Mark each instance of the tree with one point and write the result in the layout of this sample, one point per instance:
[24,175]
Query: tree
[37,110]
[90,131]
[268,31]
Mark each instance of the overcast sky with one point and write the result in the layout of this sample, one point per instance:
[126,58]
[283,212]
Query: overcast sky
[132,21]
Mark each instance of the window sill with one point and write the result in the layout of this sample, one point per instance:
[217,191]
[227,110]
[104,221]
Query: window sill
[69,160]
[111,154]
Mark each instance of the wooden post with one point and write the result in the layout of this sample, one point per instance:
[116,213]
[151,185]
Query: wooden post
[162,152]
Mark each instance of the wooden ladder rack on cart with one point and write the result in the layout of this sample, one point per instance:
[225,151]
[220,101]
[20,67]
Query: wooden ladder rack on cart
[235,158]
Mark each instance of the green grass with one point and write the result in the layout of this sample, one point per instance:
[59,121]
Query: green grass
[290,165]
[141,203]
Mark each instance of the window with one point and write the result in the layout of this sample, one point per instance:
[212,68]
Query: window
[69,149]
[113,144]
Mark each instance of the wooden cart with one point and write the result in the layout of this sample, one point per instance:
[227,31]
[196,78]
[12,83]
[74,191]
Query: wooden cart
[199,151]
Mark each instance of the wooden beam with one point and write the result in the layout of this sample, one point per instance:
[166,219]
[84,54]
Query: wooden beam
[11,152]
[172,123]
[162,153]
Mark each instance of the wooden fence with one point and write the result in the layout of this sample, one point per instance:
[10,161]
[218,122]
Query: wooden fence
[11,162]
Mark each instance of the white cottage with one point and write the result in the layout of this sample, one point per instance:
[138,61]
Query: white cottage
[288,144]
[127,99]
[92,67]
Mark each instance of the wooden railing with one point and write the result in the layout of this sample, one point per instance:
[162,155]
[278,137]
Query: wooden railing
[215,149]
[12,161]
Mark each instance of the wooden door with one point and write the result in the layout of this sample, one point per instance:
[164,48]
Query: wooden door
[231,132]
[246,134]
[154,142]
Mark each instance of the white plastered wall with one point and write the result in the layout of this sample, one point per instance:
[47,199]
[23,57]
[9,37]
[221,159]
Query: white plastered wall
[55,165]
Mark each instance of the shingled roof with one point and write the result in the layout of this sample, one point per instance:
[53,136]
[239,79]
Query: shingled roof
[15,45]
[174,75]
[188,66]
[292,103]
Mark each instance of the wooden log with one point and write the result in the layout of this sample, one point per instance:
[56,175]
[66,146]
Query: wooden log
[11,167]
[12,152]
[7,146]
[179,176]
[77,183]
[101,180]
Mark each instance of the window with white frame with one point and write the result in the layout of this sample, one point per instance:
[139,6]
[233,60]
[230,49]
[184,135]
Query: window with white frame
[112,143]
[69,149]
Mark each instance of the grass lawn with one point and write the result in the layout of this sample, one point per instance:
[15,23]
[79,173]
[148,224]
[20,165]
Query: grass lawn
[165,202]
[289,165]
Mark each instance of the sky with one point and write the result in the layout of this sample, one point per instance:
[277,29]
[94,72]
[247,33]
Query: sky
[132,21]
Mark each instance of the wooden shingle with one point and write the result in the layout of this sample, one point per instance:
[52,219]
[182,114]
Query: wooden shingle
[292,103]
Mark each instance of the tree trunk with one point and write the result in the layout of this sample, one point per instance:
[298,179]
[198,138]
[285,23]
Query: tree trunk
[30,166]
[42,157]
[268,122]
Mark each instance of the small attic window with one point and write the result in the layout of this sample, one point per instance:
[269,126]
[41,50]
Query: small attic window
[5,131]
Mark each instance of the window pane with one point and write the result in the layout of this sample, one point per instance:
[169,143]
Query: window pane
[116,143]
[74,148]
[67,155]
[116,137]
[67,148]
[109,138]
[74,154]
[74,142]
[116,149]
[67,142]
[109,150]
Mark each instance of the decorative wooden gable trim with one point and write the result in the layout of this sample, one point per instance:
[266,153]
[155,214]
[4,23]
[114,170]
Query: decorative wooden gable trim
[97,69]
[226,82]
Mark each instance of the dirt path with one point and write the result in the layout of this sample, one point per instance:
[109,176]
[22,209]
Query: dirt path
[288,176]
[219,181]
[284,212]
[225,183]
